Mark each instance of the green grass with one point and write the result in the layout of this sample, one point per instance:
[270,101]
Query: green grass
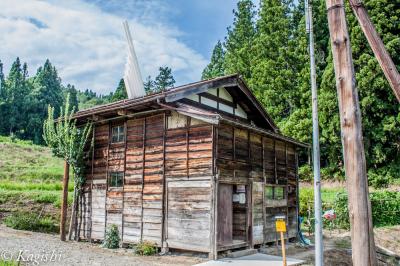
[20,160]
[327,194]
[34,196]
[32,222]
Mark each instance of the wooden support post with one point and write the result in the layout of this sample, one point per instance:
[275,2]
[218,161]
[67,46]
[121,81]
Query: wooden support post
[377,46]
[283,249]
[64,200]
[362,238]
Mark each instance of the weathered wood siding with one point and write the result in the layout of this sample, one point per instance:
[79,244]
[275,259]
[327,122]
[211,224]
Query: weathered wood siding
[188,172]
[99,183]
[246,157]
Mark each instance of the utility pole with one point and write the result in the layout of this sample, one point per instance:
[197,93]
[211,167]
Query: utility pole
[362,235]
[319,250]
[377,46]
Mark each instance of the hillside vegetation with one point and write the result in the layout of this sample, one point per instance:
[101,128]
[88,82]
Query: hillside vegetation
[30,185]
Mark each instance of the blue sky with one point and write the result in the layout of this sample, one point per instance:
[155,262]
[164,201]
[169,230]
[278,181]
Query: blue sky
[84,38]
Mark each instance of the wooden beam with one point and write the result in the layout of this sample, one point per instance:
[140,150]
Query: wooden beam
[64,201]
[362,236]
[124,112]
[377,46]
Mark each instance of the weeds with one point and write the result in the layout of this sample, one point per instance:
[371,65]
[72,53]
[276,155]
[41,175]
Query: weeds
[31,222]
[145,248]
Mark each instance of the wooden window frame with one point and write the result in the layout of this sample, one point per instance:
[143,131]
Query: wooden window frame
[274,194]
[120,135]
[115,175]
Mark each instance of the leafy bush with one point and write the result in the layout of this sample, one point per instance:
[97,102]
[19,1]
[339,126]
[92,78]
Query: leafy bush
[112,238]
[305,173]
[145,248]
[31,222]
[385,209]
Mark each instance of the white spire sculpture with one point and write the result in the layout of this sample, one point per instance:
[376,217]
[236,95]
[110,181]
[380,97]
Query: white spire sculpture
[132,77]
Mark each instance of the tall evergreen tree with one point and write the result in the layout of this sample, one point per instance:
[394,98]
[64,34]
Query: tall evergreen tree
[120,93]
[240,38]
[271,72]
[47,90]
[148,85]
[16,103]
[216,67]
[164,80]
[73,97]
[3,113]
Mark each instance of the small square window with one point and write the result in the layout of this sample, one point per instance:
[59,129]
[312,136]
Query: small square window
[117,134]
[279,193]
[269,193]
[115,179]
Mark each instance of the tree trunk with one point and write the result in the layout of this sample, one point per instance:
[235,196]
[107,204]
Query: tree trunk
[362,238]
[377,46]
[64,201]
[72,222]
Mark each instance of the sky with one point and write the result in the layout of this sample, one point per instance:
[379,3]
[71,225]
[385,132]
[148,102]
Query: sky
[84,39]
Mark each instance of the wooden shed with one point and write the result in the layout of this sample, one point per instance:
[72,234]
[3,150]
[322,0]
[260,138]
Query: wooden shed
[199,167]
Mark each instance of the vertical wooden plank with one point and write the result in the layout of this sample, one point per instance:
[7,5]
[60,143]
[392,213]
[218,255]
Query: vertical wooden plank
[164,198]
[297,190]
[213,217]
[123,179]
[143,164]
[91,186]
[276,171]
[187,145]
[105,201]
[225,213]
[263,188]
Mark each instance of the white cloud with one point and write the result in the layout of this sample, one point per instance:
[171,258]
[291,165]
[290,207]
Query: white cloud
[87,45]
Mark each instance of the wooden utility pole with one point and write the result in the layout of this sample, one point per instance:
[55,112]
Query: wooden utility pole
[362,237]
[377,46]
[64,201]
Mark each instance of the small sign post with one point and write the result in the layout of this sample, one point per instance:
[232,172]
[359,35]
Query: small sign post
[280,225]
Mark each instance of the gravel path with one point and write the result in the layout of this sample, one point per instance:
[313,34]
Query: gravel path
[45,249]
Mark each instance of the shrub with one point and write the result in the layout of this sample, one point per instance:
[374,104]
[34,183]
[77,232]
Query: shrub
[385,209]
[112,238]
[305,173]
[145,248]
[31,222]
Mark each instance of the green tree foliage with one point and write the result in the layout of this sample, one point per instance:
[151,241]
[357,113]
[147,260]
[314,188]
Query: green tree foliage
[2,100]
[120,92]
[240,40]
[279,75]
[15,99]
[216,67]
[272,74]
[73,97]
[164,80]
[148,85]
[47,90]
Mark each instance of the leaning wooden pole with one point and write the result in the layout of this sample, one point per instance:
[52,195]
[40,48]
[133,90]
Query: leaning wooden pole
[64,201]
[362,237]
[377,46]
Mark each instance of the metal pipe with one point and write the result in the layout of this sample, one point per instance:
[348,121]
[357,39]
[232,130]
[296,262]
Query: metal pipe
[319,261]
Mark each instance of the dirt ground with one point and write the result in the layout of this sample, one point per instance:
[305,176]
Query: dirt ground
[337,250]
[337,247]
[12,242]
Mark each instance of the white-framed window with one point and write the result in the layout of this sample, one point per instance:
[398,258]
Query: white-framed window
[118,134]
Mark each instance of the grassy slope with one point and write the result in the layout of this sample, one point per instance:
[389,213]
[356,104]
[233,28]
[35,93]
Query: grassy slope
[30,179]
